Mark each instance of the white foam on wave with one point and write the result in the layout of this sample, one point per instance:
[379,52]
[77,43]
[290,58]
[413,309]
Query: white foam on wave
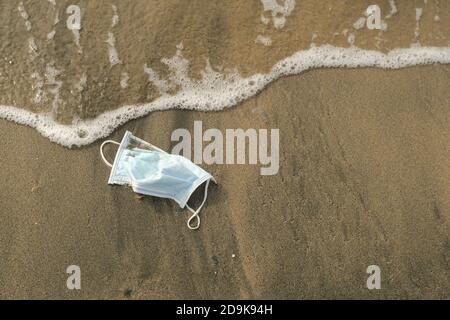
[124,78]
[52,33]
[279,12]
[394,9]
[264,40]
[217,91]
[419,14]
[25,16]
[32,46]
[112,51]
[52,74]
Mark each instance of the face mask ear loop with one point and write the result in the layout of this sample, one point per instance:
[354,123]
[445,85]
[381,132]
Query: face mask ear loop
[101,151]
[195,213]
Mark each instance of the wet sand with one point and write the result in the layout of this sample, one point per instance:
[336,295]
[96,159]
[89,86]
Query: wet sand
[147,31]
[364,176]
[364,179]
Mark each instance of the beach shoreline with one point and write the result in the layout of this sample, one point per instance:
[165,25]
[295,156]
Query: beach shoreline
[363,180]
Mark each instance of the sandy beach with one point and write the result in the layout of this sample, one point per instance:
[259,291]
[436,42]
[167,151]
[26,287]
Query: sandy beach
[363,179]
[364,176]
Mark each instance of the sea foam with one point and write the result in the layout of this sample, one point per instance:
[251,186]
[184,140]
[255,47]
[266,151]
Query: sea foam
[217,91]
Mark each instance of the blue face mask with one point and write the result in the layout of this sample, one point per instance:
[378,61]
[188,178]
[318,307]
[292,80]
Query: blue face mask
[151,171]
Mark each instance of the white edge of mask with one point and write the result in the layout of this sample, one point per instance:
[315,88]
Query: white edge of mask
[125,140]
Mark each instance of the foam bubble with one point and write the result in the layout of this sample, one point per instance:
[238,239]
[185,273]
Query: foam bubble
[394,9]
[351,39]
[112,51]
[115,19]
[419,13]
[264,40]
[51,35]
[52,80]
[76,38]
[124,78]
[24,14]
[111,41]
[360,23]
[279,12]
[217,91]
[38,87]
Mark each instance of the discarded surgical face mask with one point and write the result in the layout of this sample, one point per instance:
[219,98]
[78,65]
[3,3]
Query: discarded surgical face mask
[151,171]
